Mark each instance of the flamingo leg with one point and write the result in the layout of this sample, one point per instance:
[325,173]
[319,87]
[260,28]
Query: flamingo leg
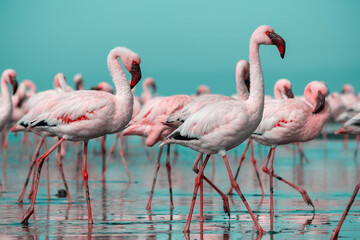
[255,168]
[78,161]
[47,170]
[213,167]
[302,191]
[30,211]
[103,151]
[223,196]
[6,140]
[336,231]
[59,162]
[356,147]
[109,157]
[32,164]
[24,141]
[237,189]
[168,168]
[157,167]
[123,159]
[1,189]
[196,187]
[271,179]
[85,178]
[201,193]
[239,166]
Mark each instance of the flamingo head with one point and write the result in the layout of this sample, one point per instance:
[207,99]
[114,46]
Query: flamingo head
[150,82]
[78,79]
[103,86]
[266,35]
[242,71]
[202,89]
[316,93]
[347,88]
[9,76]
[59,80]
[284,87]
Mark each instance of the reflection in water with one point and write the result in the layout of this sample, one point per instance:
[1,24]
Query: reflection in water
[119,207]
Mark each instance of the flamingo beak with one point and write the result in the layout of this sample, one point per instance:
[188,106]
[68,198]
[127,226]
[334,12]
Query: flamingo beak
[289,93]
[78,85]
[136,74]
[320,103]
[277,40]
[14,84]
[95,88]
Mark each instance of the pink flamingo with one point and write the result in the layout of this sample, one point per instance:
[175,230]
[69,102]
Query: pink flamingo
[222,126]
[32,109]
[203,90]
[79,81]
[7,77]
[146,94]
[282,90]
[352,126]
[292,120]
[84,115]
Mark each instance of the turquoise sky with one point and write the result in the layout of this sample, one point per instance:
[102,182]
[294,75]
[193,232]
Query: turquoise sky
[182,43]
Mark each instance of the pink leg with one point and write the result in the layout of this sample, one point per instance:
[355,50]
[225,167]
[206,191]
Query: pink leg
[239,166]
[103,151]
[78,161]
[85,178]
[124,160]
[47,170]
[196,187]
[40,163]
[168,167]
[201,193]
[357,147]
[157,167]
[213,166]
[1,189]
[109,157]
[271,175]
[33,161]
[237,189]
[59,162]
[24,141]
[346,141]
[300,190]
[336,231]
[255,168]
[5,149]
[223,196]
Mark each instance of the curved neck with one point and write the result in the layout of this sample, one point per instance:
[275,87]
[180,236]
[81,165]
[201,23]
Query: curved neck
[6,96]
[277,93]
[256,97]
[146,90]
[309,96]
[118,75]
[241,88]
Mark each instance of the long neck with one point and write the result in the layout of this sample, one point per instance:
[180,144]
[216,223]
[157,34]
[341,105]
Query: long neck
[256,97]
[146,92]
[277,93]
[119,78]
[241,89]
[7,102]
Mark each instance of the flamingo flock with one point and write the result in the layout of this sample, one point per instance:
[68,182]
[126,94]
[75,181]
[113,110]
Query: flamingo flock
[207,123]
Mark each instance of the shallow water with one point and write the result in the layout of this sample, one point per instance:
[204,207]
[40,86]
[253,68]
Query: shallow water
[119,207]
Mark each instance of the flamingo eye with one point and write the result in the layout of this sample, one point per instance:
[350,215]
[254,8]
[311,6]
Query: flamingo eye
[134,62]
[267,33]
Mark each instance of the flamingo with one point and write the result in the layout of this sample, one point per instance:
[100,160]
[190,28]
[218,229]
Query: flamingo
[222,126]
[146,94]
[352,126]
[32,108]
[292,120]
[79,82]
[84,115]
[6,104]
[203,90]
[282,90]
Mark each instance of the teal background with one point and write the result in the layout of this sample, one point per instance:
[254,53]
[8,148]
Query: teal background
[182,43]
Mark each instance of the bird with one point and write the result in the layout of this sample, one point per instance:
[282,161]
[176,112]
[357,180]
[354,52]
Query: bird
[6,104]
[146,94]
[84,115]
[203,90]
[352,126]
[287,121]
[79,82]
[222,126]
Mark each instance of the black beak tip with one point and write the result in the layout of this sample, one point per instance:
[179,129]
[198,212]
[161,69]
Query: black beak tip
[282,55]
